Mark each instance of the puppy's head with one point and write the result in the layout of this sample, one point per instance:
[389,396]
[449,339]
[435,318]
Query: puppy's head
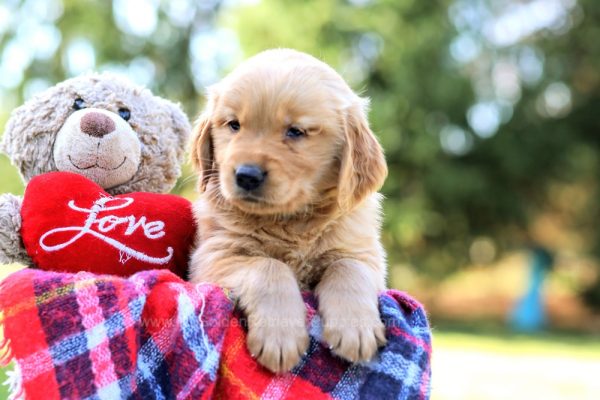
[283,134]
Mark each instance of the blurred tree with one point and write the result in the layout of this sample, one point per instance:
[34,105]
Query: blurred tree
[157,44]
[486,109]
[172,47]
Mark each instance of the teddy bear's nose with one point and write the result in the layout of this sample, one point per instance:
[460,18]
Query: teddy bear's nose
[96,124]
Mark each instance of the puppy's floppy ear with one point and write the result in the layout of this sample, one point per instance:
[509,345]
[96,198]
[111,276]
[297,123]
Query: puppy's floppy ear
[202,149]
[363,168]
[202,154]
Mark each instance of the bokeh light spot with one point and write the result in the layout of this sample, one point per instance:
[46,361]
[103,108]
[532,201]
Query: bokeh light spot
[484,119]
[80,57]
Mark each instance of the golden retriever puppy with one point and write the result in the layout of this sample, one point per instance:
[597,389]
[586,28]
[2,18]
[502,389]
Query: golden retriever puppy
[289,171]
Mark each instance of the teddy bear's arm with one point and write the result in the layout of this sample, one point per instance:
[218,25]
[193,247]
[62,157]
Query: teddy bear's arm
[12,249]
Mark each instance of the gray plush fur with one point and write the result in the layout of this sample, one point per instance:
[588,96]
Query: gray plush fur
[31,131]
[11,248]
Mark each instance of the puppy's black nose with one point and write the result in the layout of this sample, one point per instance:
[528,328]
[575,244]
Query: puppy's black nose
[249,177]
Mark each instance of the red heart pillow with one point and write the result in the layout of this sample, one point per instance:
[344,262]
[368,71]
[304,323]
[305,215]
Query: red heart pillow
[71,224]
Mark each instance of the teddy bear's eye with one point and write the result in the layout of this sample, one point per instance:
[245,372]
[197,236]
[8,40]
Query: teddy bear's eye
[124,113]
[78,104]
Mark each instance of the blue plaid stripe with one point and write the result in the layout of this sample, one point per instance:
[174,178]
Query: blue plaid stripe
[348,387]
[148,362]
[75,345]
[196,338]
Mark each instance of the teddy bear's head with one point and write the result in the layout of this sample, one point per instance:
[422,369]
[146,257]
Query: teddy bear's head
[103,127]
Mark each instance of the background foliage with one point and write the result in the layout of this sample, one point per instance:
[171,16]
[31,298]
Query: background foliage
[487,109]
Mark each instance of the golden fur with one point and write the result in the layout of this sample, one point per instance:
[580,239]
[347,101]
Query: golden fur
[316,224]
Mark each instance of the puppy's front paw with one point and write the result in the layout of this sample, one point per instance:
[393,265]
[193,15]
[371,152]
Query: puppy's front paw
[278,342]
[353,332]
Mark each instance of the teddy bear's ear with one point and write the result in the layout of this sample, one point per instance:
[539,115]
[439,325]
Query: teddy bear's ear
[29,135]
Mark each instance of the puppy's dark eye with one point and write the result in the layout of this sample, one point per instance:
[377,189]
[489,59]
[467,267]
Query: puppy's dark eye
[78,104]
[234,125]
[124,113]
[294,132]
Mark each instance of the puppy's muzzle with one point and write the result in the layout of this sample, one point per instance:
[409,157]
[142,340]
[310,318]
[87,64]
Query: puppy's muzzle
[249,177]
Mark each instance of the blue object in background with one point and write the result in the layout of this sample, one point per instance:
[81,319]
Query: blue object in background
[529,314]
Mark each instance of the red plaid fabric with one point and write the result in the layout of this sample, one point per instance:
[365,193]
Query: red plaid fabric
[154,336]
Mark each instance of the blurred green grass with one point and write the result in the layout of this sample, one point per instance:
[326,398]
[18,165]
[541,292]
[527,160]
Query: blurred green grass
[3,388]
[10,181]
[3,377]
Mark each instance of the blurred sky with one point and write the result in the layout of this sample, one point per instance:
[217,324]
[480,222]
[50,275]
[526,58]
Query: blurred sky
[35,37]
[485,28]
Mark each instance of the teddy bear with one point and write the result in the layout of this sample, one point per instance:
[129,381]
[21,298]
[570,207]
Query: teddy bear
[91,149]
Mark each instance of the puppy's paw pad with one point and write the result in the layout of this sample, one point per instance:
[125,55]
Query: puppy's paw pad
[278,349]
[354,339]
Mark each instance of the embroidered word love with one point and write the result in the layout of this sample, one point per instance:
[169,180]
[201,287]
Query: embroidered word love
[97,226]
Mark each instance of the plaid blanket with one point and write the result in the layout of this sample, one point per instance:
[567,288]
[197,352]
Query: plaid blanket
[154,336]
